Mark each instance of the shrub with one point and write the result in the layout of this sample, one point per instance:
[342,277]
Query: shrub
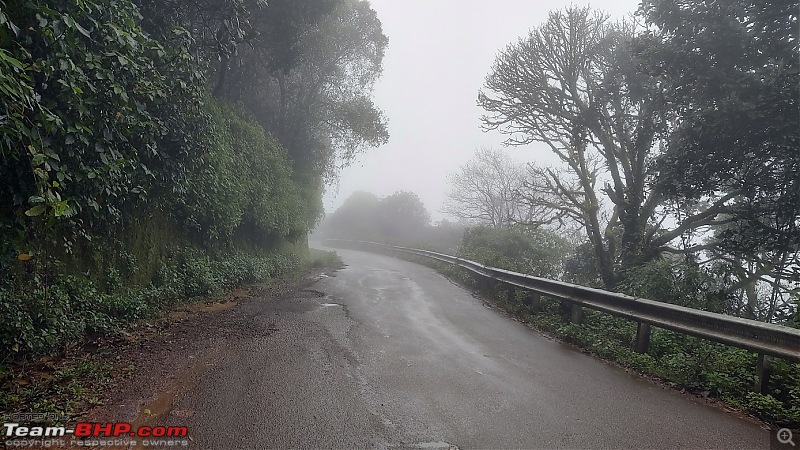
[242,182]
[536,252]
[48,313]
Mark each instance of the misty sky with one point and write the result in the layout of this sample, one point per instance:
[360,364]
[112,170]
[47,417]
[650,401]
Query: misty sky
[439,53]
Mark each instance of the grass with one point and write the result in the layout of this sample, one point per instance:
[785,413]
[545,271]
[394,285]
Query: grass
[321,259]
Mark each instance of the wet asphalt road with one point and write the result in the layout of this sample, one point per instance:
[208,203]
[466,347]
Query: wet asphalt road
[390,354]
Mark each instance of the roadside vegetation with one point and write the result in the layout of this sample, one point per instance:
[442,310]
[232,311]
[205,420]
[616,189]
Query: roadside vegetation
[155,152]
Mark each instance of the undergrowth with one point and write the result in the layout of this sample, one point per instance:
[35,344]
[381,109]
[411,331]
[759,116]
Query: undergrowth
[45,312]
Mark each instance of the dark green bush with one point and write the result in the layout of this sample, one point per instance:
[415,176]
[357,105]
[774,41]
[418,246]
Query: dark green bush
[242,181]
[47,317]
[102,114]
[678,283]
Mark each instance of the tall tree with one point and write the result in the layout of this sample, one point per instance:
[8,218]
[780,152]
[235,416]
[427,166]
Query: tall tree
[305,69]
[402,216]
[568,85]
[318,102]
[316,99]
[730,71]
[355,219]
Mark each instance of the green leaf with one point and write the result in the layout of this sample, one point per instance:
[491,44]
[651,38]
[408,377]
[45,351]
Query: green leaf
[82,30]
[36,210]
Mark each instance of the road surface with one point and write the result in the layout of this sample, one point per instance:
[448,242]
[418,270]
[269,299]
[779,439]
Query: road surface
[389,354]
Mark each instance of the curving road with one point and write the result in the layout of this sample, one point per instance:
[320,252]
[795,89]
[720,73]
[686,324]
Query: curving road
[390,354]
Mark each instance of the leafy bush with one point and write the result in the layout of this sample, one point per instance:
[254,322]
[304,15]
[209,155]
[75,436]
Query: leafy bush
[532,251]
[678,283]
[48,313]
[102,112]
[242,181]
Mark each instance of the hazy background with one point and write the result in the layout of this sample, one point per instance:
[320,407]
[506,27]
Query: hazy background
[439,53]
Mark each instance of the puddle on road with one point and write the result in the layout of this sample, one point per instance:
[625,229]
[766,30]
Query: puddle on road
[328,305]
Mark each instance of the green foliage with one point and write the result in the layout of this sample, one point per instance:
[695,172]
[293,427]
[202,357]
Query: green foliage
[107,143]
[729,72]
[322,259]
[308,79]
[679,283]
[536,252]
[102,110]
[126,189]
[764,405]
[242,180]
[581,267]
[51,311]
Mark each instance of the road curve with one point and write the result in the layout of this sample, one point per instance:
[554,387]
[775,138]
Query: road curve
[390,354]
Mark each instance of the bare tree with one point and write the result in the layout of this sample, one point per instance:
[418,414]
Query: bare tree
[489,190]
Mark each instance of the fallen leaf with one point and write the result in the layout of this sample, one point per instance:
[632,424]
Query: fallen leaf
[24,257]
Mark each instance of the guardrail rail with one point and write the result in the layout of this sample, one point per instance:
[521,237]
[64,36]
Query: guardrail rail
[765,339]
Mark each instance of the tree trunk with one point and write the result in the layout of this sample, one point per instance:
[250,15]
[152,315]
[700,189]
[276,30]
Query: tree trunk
[752,299]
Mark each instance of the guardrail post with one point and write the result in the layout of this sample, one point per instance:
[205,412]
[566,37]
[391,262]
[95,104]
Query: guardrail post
[642,337]
[763,371]
[511,295]
[535,302]
[576,314]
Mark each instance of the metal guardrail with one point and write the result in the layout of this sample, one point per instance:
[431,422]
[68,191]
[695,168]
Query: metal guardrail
[762,338]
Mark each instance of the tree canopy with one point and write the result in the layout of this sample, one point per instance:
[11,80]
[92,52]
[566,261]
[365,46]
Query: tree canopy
[399,218]
[568,85]
[731,71]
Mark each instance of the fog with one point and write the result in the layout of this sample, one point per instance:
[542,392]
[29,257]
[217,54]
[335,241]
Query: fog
[439,54]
